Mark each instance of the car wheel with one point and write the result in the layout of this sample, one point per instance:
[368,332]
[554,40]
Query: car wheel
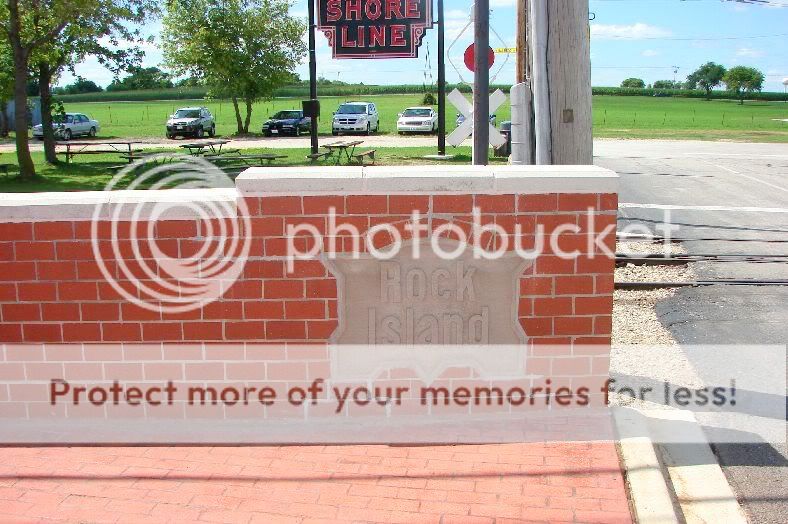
[267,134]
[369,129]
[67,135]
[199,132]
[334,132]
[170,136]
[212,131]
[92,132]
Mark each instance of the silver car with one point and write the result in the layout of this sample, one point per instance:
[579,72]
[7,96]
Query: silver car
[355,117]
[68,126]
[417,120]
[191,121]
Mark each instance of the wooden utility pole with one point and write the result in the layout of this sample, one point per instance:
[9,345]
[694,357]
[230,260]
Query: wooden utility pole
[560,56]
[521,58]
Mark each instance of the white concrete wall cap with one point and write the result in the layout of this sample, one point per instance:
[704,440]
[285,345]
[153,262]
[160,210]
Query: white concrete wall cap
[433,179]
[265,180]
[81,205]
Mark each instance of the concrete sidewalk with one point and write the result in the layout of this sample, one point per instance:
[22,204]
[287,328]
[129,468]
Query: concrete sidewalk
[554,482]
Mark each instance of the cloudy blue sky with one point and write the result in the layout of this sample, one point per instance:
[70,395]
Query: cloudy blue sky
[650,39]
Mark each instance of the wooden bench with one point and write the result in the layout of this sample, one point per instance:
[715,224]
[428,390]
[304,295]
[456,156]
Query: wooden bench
[95,152]
[245,159]
[227,152]
[360,156]
[314,157]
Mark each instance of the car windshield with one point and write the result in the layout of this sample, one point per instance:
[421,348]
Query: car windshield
[286,115]
[352,109]
[187,113]
[416,112]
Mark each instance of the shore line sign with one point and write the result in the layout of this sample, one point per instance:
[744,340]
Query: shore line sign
[374,28]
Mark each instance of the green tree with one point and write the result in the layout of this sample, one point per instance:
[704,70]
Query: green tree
[142,78]
[6,84]
[78,86]
[243,49]
[96,31]
[634,83]
[707,77]
[29,25]
[35,32]
[667,84]
[743,80]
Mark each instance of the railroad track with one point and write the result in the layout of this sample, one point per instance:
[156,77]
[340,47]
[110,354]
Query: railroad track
[623,259]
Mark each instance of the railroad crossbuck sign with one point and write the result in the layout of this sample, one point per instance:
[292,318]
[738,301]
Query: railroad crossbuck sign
[465,129]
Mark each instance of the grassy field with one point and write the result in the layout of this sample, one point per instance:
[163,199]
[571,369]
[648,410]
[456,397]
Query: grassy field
[614,117]
[92,173]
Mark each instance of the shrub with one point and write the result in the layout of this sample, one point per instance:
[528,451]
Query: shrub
[429,99]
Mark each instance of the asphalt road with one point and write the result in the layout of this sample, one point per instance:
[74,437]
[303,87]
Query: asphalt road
[734,191]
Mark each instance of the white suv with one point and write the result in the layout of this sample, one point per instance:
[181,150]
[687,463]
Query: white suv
[355,117]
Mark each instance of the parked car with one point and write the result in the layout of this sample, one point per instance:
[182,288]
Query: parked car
[68,126]
[289,122]
[355,117]
[461,119]
[417,120]
[191,121]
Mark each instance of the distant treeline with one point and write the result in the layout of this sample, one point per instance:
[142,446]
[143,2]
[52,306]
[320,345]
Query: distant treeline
[302,91]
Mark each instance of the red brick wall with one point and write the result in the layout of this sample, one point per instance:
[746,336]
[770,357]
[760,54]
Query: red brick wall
[51,289]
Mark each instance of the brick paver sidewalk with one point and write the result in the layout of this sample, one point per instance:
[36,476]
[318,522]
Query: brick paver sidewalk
[579,482]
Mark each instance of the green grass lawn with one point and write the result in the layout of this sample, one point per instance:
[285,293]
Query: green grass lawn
[92,173]
[689,118]
[614,116]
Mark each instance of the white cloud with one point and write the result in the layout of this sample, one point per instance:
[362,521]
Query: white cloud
[749,52]
[635,31]
[650,52]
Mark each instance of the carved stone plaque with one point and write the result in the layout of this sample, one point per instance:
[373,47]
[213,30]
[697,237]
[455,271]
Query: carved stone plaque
[428,300]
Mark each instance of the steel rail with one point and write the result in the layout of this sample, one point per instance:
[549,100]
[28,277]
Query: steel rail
[634,286]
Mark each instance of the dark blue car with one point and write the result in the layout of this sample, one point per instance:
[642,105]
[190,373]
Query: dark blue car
[290,122]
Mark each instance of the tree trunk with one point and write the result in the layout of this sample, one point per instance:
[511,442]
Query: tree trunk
[26,167]
[249,103]
[44,86]
[708,93]
[238,120]
[3,119]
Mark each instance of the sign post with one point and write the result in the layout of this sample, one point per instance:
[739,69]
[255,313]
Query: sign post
[441,81]
[481,81]
[312,78]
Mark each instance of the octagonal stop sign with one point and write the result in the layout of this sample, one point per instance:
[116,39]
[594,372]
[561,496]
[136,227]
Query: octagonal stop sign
[470,61]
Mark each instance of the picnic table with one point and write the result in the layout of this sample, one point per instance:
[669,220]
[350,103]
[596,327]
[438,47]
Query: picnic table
[337,150]
[107,146]
[203,146]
